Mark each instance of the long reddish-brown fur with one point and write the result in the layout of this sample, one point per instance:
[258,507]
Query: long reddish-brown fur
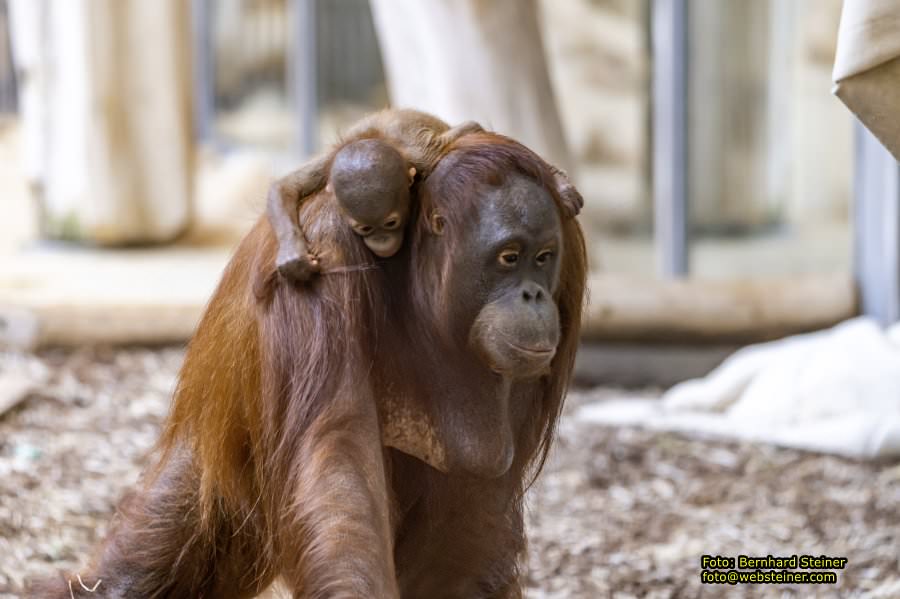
[270,462]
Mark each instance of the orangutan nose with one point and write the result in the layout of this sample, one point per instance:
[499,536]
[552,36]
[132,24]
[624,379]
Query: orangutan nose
[532,292]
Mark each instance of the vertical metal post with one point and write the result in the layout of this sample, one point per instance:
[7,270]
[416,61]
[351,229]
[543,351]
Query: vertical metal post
[876,228]
[670,147]
[302,64]
[9,96]
[204,69]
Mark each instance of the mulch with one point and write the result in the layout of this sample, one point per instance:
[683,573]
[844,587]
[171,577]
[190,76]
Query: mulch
[618,512]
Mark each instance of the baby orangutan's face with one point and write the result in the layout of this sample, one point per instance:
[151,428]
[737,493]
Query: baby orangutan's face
[370,180]
[382,232]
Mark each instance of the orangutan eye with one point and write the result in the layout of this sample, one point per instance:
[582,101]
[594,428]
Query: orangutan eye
[364,229]
[543,257]
[509,257]
[391,223]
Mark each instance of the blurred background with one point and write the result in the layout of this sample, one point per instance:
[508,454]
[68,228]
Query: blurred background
[143,126]
[725,204]
[146,126]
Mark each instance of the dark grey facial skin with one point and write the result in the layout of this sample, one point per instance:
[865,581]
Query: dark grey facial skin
[514,272]
[497,330]
[371,181]
[504,274]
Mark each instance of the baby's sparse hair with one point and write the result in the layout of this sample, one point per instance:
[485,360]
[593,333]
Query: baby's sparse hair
[366,176]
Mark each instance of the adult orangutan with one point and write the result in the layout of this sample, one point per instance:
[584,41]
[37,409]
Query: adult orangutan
[372,434]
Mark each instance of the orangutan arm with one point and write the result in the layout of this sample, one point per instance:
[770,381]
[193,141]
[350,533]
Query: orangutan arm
[286,195]
[338,536]
[454,133]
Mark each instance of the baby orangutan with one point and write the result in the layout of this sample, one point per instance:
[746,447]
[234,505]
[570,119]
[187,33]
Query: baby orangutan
[370,174]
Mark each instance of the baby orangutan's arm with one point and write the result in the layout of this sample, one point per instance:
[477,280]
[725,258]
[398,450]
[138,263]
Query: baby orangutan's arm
[286,195]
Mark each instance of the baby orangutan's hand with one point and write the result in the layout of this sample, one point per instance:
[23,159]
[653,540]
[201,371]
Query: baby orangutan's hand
[298,268]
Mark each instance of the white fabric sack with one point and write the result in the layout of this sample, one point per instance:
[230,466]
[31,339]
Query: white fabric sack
[867,67]
[834,391]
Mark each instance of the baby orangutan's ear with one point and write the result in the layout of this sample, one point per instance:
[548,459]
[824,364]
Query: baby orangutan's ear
[437,223]
[412,174]
[329,188]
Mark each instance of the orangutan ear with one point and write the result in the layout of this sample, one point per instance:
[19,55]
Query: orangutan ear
[411,174]
[437,223]
[329,188]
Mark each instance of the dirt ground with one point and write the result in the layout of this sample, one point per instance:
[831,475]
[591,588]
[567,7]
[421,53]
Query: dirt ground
[617,512]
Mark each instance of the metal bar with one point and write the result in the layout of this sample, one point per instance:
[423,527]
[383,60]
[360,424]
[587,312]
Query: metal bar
[876,228]
[10,99]
[204,70]
[670,144]
[302,63]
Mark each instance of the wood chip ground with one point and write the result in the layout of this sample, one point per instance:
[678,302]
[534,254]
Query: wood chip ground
[616,513]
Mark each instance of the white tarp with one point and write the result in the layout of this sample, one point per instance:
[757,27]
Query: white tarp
[834,391]
[867,66]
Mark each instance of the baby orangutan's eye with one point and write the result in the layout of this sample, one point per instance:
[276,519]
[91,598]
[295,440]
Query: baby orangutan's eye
[543,257]
[364,229]
[508,257]
[391,223]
